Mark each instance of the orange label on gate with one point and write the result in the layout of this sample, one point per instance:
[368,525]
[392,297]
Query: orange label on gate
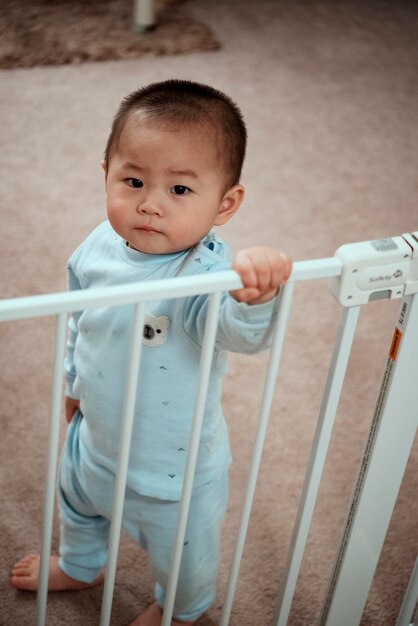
[396,341]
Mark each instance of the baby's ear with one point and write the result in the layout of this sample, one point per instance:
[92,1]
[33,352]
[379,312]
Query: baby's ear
[230,203]
[104,168]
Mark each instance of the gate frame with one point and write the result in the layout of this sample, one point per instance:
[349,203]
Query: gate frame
[398,257]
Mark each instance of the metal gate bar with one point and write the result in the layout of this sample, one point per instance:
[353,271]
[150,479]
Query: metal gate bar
[302,271]
[327,413]
[285,300]
[205,367]
[124,449]
[410,600]
[52,462]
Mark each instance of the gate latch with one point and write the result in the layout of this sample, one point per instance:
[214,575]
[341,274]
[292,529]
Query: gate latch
[412,280]
[374,270]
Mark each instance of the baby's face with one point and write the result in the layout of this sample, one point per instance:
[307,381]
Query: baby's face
[165,187]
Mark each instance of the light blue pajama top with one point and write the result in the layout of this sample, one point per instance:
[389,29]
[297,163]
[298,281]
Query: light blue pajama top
[96,362]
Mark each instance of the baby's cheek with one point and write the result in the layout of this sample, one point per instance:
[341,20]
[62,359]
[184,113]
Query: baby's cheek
[116,216]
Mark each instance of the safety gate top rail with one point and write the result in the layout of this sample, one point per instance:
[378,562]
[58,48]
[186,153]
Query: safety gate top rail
[358,273]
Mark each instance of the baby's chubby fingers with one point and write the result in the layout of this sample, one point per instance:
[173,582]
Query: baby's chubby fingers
[262,270]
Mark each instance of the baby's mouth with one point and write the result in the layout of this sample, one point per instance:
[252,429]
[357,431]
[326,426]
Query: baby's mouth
[148,229]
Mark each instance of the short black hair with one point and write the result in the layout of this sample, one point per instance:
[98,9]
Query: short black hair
[184,102]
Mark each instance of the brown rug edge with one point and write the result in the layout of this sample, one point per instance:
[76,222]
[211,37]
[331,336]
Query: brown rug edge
[55,34]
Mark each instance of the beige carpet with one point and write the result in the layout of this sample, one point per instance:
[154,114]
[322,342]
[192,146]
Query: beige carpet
[54,32]
[329,92]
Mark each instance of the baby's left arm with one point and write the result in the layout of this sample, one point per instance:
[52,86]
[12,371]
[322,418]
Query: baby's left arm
[262,271]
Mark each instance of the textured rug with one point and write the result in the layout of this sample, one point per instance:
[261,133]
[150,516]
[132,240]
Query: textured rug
[55,32]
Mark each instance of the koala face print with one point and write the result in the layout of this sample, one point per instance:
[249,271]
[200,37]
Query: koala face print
[155,330]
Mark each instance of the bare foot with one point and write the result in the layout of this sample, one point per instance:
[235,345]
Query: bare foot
[153,616]
[25,575]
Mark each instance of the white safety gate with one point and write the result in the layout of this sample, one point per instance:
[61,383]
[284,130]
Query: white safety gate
[385,268]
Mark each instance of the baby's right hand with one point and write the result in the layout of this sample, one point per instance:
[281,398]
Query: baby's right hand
[71,406]
[262,270]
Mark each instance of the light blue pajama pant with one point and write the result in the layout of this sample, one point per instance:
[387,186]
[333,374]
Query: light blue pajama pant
[85,502]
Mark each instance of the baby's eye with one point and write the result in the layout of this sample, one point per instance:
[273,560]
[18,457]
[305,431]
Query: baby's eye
[134,182]
[180,190]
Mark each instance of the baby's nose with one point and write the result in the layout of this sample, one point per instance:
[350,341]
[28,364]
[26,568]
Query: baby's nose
[151,204]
